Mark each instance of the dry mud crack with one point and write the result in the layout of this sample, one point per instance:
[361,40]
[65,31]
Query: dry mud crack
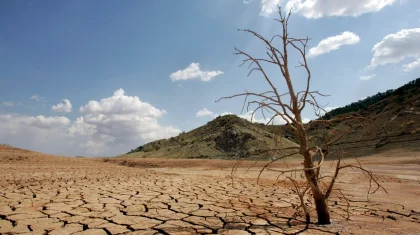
[82,196]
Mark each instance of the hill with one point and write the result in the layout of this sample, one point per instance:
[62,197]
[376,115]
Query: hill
[397,96]
[395,113]
[226,137]
[13,155]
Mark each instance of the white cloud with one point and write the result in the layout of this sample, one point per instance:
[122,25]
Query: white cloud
[306,120]
[413,65]
[5,117]
[119,104]
[108,127]
[46,122]
[331,108]
[395,47]
[226,113]
[268,7]
[81,128]
[248,116]
[40,133]
[37,98]
[123,117]
[205,112]
[368,77]
[323,8]
[62,107]
[333,43]
[193,71]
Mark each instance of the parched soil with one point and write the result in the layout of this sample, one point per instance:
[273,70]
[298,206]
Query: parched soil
[42,194]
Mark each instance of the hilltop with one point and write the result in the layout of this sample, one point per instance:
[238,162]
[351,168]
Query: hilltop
[226,137]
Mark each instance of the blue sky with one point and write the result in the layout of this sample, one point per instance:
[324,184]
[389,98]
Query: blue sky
[148,61]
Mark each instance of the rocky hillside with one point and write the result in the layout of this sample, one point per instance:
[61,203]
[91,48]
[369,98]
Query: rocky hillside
[397,96]
[226,137]
[396,114]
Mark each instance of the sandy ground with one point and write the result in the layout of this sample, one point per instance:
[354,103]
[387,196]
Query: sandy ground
[42,194]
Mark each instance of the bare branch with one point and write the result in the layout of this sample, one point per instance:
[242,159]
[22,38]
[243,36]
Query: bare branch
[301,195]
[334,178]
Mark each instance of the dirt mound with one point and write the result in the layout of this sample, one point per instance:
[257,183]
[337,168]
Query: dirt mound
[13,155]
[226,137]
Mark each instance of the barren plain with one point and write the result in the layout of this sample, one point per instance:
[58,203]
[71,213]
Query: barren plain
[43,194]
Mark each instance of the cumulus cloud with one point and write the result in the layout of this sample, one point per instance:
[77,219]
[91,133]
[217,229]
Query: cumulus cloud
[36,133]
[333,43]
[46,122]
[268,7]
[205,113]
[81,128]
[62,107]
[125,119]
[314,9]
[413,65]
[118,104]
[193,71]
[396,47]
[368,77]
[107,127]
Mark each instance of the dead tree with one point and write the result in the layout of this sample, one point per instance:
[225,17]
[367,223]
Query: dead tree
[288,106]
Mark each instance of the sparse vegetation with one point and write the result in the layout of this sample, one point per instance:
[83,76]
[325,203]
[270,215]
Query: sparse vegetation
[400,94]
[223,138]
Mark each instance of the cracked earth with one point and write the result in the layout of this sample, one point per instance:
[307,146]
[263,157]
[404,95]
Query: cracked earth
[56,195]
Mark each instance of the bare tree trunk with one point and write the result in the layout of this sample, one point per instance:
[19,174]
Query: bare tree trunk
[322,210]
[320,200]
